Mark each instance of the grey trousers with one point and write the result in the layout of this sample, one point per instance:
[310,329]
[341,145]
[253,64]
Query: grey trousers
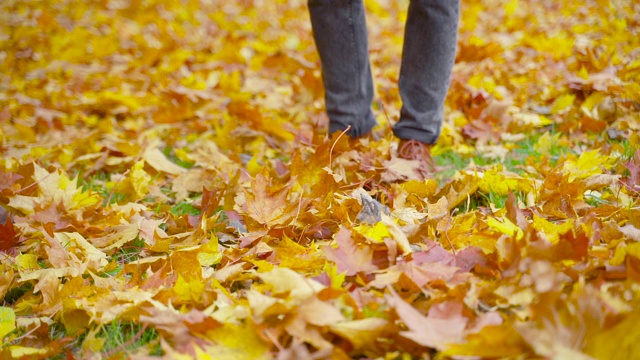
[340,33]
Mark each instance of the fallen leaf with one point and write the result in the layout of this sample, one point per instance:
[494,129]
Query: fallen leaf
[630,231]
[156,159]
[320,313]
[8,236]
[284,280]
[361,333]
[267,205]
[7,321]
[490,342]
[350,257]
[443,326]
[619,341]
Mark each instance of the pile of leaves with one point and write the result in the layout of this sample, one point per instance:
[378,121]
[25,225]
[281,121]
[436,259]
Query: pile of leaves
[167,187]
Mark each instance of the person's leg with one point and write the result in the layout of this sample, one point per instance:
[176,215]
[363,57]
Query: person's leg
[427,60]
[340,33]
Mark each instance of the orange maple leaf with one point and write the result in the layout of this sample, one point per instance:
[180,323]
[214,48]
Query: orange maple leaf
[267,205]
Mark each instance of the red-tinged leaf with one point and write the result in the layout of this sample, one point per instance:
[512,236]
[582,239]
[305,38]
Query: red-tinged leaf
[514,213]
[465,259]
[198,322]
[420,275]
[444,325]
[8,236]
[481,131]
[349,256]
[160,278]
[468,257]
[210,201]
[633,181]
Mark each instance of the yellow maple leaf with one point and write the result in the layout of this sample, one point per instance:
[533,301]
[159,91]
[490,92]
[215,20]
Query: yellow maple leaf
[500,182]
[621,252]
[590,103]
[377,233]
[7,321]
[551,230]
[337,279]
[136,184]
[235,342]
[621,342]
[421,189]
[588,164]
[188,290]
[253,166]
[54,188]
[496,341]
[209,254]
[505,226]
[545,142]
[562,103]
[27,261]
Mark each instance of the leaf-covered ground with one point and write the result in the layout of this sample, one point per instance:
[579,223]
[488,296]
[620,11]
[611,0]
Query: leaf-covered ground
[169,189]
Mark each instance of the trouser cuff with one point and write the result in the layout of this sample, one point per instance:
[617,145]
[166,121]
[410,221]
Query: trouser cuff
[416,134]
[358,129]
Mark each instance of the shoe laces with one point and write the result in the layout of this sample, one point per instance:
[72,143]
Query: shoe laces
[416,150]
